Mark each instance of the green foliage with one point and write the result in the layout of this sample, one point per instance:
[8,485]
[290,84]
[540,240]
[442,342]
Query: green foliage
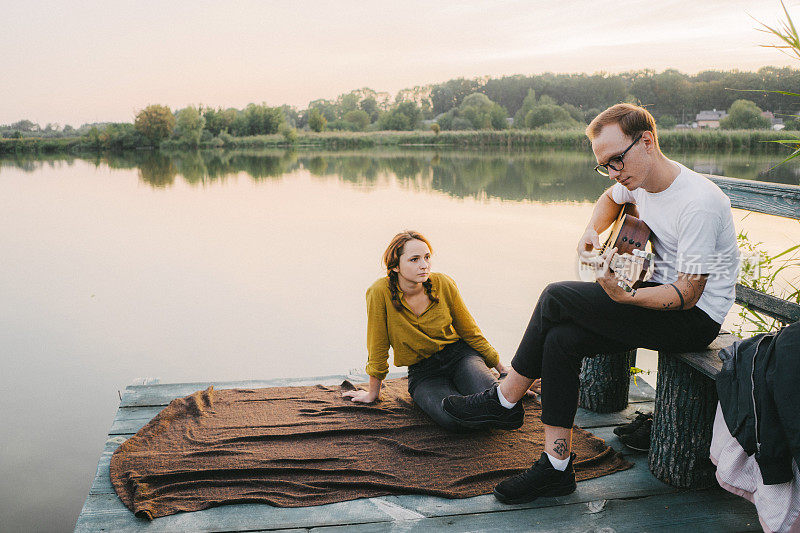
[527,105]
[25,125]
[359,118]
[190,125]
[482,113]
[435,128]
[316,120]
[792,123]
[549,115]
[787,34]
[289,133]
[450,94]
[767,274]
[402,117]
[476,112]
[226,138]
[744,115]
[546,114]
[258,120]
[116,137]
[326,107]
[666,93]
[219,120]
[574,112]
[341,125]
[370,106]
[666,122]
[155,122]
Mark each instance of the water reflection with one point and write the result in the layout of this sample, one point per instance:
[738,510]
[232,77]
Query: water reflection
[545,176]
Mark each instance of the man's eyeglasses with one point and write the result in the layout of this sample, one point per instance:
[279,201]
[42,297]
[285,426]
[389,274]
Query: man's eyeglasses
[616,163]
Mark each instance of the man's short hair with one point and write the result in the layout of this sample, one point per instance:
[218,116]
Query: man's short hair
[632,120]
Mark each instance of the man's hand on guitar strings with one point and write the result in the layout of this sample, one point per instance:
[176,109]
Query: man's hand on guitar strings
[609,281]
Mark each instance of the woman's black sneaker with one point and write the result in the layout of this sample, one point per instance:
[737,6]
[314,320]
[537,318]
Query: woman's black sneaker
[639,439]
[483,411]
[633,426]
[539,480]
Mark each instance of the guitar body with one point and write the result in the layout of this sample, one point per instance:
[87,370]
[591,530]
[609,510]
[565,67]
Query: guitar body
[628,232]
[629,235]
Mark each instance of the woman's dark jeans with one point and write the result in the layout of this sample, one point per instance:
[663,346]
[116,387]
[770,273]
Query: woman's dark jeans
[455,369]
[575,319]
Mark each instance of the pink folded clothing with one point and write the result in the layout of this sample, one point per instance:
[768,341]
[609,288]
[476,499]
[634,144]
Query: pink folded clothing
[778,505]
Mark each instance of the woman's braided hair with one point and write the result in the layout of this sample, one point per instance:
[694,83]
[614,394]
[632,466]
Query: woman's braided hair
[391,258]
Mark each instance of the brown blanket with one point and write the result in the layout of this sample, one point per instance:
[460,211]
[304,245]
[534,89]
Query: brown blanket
[299,446]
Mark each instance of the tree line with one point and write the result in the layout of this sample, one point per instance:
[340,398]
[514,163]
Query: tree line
[544,101]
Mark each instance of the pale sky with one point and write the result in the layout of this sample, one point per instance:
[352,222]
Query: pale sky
[91,61]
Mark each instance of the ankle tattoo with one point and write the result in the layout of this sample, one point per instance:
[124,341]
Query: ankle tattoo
[560,446]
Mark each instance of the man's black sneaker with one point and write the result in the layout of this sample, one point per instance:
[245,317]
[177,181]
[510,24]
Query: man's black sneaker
[639,439]
[539,480]
[633,426]
[483,411]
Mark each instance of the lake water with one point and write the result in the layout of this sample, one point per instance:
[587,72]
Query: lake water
[254,266]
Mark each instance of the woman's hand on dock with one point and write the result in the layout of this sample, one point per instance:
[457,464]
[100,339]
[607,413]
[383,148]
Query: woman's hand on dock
[501,369]
[362,396]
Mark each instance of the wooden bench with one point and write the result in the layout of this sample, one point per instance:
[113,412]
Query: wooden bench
[686,395]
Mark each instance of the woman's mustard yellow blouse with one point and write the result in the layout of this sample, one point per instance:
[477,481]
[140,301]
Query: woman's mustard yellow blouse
[414,338]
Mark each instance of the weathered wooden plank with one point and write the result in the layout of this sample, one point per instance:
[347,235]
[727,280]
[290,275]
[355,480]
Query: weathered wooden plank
[163,393]
[589,420]
[760,196]
[102,478]
[771,306]
[640,391]
[129,420]
[105,512]
[145,381]
[708,511]
[706,361]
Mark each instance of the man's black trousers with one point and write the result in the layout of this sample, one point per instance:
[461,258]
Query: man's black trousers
[575,319]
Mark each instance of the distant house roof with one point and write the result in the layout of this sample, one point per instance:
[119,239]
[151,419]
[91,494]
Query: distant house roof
[711,115]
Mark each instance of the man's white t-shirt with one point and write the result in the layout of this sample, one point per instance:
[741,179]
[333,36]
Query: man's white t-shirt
[692,232]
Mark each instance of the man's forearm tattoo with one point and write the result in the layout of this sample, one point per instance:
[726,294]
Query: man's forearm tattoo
[560,446]
[679,295]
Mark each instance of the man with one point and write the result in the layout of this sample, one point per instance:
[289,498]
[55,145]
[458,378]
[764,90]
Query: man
[682,308]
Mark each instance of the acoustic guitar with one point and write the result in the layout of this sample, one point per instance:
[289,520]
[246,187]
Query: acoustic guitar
[631,264]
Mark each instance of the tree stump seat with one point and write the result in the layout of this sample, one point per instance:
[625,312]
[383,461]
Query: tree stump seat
[683,418]
[685,406]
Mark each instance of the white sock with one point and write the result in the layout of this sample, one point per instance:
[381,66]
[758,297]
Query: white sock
[505,403]
[558,464]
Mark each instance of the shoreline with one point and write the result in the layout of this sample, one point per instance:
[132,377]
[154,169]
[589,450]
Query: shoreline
[758,141]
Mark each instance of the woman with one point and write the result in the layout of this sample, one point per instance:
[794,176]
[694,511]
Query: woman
[422,317]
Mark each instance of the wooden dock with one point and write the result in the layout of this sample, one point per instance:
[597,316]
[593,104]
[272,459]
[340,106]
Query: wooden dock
[632,500]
